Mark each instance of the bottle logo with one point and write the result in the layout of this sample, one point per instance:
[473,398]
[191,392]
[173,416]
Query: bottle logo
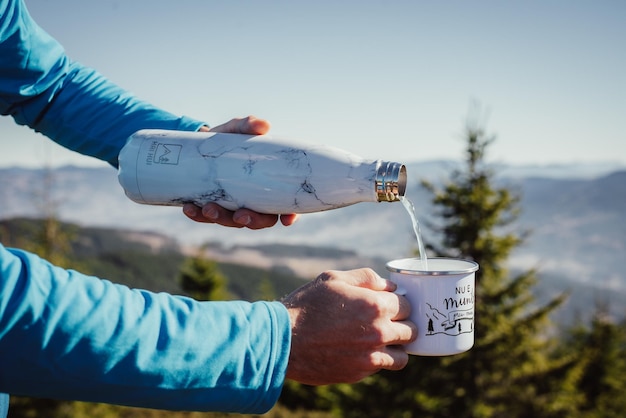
[167,154]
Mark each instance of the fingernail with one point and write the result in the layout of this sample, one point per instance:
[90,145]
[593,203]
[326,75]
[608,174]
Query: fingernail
[210,212]
[243,220]
[190,210]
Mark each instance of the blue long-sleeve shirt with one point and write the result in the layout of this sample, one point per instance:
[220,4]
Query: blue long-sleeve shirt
[66,335]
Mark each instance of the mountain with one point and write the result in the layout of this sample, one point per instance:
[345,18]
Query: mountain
[577,237]
[577,227]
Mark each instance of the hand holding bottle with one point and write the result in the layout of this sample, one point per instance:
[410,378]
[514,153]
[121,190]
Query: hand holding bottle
[214,213]
[263,174]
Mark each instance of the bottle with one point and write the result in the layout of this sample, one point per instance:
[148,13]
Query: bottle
[259,172]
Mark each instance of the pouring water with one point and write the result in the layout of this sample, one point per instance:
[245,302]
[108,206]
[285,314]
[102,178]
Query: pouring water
[410,208]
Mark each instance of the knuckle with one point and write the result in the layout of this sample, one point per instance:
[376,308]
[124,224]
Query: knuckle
[390,358]
[325,276]
[369,273]
[380,360]
[381,304]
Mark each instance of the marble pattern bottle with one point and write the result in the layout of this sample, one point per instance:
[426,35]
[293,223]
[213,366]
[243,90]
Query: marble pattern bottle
[262,173]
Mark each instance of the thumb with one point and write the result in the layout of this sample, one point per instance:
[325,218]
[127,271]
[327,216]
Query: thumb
[250,125]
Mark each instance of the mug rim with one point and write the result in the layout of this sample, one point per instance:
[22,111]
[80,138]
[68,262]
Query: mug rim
[472,266]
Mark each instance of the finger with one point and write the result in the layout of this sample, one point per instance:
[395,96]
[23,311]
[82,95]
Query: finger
[399,333]
[249,125]
[194,213]
[288,219]
[396,307]
[391,357]
[256,126]
[404,309]
[254,220]
[214,213]
[228,127]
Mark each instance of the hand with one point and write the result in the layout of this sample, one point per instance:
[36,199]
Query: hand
[214,213]
[347,326]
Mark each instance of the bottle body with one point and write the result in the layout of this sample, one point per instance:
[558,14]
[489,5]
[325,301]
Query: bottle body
[262,173]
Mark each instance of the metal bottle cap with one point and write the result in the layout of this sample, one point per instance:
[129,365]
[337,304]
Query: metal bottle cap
[390,181]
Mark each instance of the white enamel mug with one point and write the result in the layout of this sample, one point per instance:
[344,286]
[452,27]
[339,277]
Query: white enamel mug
[441,295]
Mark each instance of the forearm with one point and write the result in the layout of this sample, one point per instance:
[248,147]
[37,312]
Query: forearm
[69,336]
[93,116]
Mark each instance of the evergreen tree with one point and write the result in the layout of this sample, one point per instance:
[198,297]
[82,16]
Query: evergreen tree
[508,372]
[601,377]
[265,289]
[202,280]
[47,236]
[53,242]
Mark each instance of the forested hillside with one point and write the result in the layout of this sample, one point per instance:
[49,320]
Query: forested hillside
[142,259]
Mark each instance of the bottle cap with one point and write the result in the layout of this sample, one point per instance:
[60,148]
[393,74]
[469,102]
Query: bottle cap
[390,181]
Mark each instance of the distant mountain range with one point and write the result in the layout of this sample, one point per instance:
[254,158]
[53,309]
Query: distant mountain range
[574,215]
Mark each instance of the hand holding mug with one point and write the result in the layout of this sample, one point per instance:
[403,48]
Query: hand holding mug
[346,326]
[441,294]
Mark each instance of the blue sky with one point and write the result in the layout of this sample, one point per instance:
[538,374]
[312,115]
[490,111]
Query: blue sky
[384,79]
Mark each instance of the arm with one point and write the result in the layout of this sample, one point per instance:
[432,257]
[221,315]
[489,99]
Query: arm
[83,111]
[72,104]
[70,336]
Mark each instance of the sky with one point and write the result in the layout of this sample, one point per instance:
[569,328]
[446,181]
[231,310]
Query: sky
[395,80]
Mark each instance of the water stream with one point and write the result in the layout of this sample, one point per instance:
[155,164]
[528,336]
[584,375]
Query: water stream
[410,208]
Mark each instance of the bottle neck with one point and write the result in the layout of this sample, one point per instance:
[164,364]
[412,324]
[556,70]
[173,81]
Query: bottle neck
[390,181]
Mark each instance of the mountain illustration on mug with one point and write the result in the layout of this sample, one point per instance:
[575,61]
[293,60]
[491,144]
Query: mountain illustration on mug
[454,323]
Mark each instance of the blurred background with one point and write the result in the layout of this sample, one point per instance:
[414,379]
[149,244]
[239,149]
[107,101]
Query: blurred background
[542,84]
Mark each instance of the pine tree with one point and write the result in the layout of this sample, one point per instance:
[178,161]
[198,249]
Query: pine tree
[509,371]
[601,377]
[52,240]
[202,280]
[265,289]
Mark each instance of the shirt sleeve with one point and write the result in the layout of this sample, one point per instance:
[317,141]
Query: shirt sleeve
[65,335]
[72,104]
